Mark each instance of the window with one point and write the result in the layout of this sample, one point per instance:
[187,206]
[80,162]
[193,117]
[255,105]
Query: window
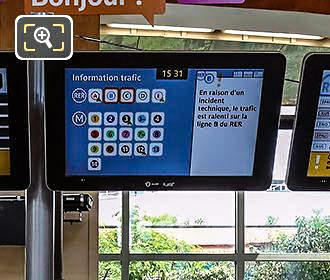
[225,235]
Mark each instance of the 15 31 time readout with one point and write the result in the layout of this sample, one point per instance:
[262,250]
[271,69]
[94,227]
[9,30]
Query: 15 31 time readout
[172,73]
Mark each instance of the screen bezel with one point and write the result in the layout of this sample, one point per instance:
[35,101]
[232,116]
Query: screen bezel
[308,99]
[274,69]
[17,83]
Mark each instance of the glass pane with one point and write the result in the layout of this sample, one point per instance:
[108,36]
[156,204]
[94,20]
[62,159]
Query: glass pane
[109,271]
[287,222]
[294,54]
[182,271]
[287,270]
[282,154]
[182,222]
[110,222]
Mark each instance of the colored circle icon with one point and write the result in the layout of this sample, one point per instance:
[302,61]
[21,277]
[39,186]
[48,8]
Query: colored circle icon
[209,78]
[95,118]
[79,118]
[141,134]
[143,95]
[156,134]
[94,164]
[125,149]
[127,95]
[94,149]
[159,95]
[125,134]
[111,118]
[79,95]
[96,96]
[110,134]
[141,150]
[110,149]
[155,149]
[158,118]
[127,119]
[142,119]
[95,134]
[111,95]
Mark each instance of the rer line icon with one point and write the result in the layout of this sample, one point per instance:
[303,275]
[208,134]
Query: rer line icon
[43,37]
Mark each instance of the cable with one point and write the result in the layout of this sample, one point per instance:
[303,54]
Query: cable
[106,42]
[292,81]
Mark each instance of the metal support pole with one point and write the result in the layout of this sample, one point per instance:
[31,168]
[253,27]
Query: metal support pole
[240,235]
[58,248]
[40,200]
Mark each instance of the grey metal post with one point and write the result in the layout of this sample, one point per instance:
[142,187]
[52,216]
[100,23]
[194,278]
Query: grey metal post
[40,200]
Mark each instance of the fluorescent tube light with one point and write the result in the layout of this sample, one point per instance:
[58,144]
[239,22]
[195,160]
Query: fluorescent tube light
[160,28]
[271,34]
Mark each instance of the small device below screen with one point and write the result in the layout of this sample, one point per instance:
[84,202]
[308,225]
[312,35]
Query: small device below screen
[309,165]
[163,121]
[14,148]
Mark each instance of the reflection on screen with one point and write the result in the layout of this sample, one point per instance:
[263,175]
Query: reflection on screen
[319,162]
[4,129]
[149,122]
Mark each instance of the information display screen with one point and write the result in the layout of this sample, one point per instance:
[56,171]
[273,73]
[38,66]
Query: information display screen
[309,162]
[4,125]
[14,129]
[319,162]
[130,122]
[162,121]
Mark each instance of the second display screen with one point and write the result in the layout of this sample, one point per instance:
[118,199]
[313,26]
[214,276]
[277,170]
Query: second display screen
[161,122]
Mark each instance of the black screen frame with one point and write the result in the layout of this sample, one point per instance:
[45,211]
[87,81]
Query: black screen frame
[301,143]
[274,70]
[17,82]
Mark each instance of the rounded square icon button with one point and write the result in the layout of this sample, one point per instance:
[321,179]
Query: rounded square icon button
[142,95]
[95,118]
[141,118]
[110,149]
[111,95]
[126,119]
[157,134]
[126,134]
[94,149]
[95,95]
[158,96]
[157,118]
[110,134]
[141,134]
[125,149]
[111,118]
[94,164]
[94,134]
[156,149]
[140,149]
[79,95]
[127,95]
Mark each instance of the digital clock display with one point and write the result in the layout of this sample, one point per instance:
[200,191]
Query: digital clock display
[172,74]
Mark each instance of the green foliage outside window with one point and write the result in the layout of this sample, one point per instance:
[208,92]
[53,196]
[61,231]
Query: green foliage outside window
[313,236]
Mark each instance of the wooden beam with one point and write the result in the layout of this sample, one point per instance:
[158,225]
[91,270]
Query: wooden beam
[9,10]
[86,26]
[83,25]
[309,6]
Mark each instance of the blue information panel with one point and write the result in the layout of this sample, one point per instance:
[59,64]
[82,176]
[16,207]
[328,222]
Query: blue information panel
[4,125]
[154,122]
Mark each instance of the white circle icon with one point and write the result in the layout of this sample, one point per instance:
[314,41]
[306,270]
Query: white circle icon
[79,95]
[79,118]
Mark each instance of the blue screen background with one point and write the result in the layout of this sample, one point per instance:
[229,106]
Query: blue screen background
[178,127]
